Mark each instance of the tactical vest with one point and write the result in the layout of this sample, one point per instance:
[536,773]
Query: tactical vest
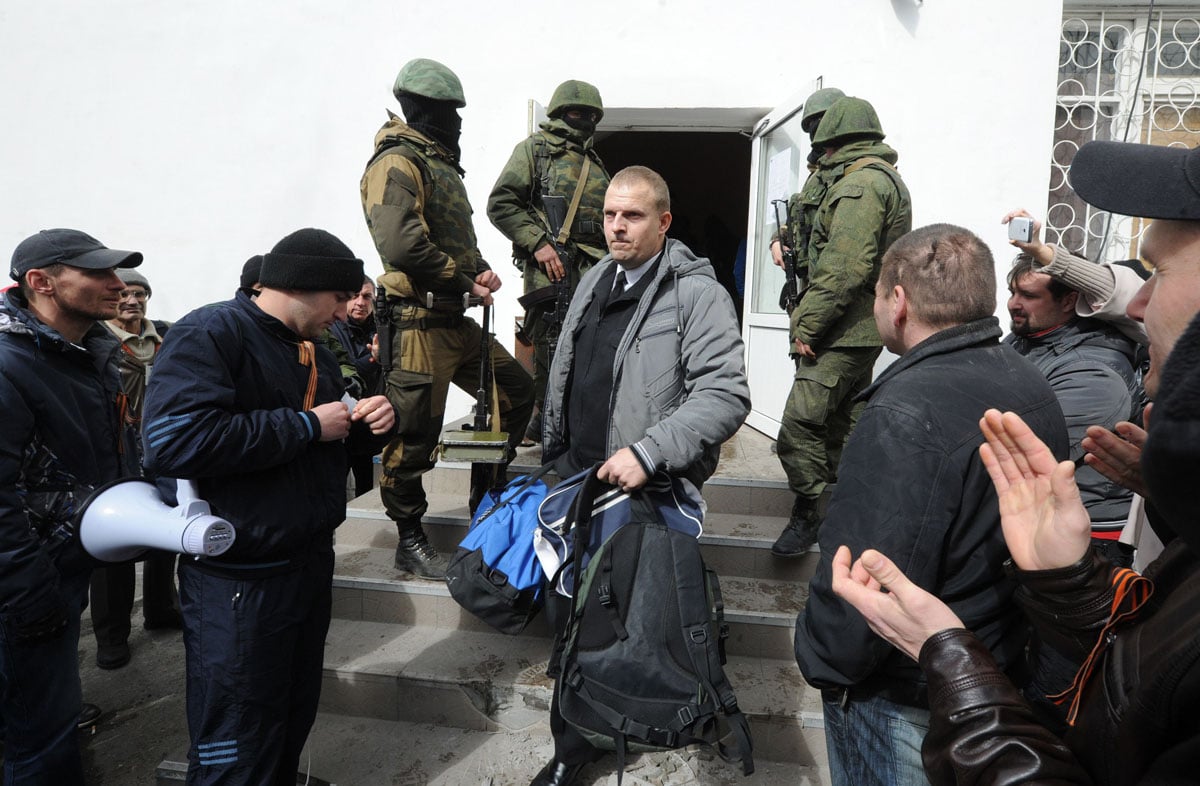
[556,171]
[447,211]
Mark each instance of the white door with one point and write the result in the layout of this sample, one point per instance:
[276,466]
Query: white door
[778,168]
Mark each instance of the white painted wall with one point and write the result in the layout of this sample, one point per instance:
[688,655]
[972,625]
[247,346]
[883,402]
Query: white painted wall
[202,132]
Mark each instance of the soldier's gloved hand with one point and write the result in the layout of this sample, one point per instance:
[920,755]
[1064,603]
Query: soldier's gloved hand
[43,627]
[548,259]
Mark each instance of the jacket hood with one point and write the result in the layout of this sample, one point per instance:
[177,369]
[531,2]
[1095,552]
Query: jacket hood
[559,134]
[1083,331]
[15,319]
[679,260]
[856,150]
[395,128]
[1171,456]
[848,119]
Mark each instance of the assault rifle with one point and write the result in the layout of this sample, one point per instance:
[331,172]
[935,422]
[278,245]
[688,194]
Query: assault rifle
[383,329]
[555,207]
[790,295]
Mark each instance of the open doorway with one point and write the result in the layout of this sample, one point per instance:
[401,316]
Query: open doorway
[708,172]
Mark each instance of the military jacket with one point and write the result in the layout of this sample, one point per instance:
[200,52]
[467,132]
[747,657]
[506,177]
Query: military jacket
[550,162]
[865,208]
[419,216]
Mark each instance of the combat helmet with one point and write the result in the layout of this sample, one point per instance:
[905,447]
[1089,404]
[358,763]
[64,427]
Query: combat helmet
[431,79]
[575,93]
[816,105]
[848,120]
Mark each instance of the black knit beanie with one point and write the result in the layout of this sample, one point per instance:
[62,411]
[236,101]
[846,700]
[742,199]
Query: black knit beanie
[311,260]
[1171,456]
[251,271]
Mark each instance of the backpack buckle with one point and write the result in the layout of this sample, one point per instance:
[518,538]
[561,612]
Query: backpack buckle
[685,716]
[698,635]
[604,592]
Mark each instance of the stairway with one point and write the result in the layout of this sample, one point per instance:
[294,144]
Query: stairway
[402,651]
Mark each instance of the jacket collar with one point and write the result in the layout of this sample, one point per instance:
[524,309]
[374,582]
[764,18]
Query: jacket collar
[952,339]
[265,320]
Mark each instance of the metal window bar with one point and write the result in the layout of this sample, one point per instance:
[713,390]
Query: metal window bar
[1107,91]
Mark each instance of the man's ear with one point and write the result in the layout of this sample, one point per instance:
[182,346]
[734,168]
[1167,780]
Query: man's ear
[899,306]
[664,222]
[39,282]
[1069,301]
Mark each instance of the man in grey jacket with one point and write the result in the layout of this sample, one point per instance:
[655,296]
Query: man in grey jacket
[648,375]
[1090,365]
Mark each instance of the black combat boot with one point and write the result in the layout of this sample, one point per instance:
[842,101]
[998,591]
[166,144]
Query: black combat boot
[557,773]
[801,530]
[415,555]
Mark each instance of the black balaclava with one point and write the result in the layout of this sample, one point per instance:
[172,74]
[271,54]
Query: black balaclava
[437,120]
[583,124]
[1171,456]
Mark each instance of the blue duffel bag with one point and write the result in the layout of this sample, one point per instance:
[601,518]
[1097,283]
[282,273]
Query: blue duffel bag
[674,500]
[494,573]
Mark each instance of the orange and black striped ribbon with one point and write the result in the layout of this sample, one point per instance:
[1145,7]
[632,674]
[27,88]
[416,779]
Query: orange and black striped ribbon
[1132,591]
[308,357]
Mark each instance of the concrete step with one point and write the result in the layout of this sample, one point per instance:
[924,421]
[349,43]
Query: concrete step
[733,543]
[363,751]
[493,683]
[761,613]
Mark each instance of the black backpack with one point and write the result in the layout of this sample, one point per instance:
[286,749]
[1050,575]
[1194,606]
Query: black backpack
[643,650]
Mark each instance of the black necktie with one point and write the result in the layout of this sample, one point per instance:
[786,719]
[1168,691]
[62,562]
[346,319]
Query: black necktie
[618,286]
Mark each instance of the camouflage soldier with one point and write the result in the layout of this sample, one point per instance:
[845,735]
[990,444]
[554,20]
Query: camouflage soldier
[804,203]
[864,208]
[551,162]
[418,214]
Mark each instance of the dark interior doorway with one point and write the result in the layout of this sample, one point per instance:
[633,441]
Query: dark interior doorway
[709,178]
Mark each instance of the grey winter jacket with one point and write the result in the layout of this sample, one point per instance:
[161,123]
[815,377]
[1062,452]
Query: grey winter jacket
[679,379]
[1090,366]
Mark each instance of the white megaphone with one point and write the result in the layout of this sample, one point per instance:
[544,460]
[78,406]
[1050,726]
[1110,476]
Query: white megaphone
[124,518]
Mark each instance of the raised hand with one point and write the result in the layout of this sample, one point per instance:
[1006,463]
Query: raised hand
[1118,456]
[1045,524]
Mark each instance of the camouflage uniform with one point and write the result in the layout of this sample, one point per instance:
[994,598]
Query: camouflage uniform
[859,207]
[418,214]
[549,162]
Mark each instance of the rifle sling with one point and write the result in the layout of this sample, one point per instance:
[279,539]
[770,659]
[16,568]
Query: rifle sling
[565,232]
[537,296]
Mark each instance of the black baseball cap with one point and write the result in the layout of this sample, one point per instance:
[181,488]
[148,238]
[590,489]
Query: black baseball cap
[68,247]
[1148,181]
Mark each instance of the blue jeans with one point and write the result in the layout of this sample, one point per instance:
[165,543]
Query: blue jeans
[875,742]
[40,699]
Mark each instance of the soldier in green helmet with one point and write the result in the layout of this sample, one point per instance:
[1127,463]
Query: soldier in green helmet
[556,161]
[417,211]
[859,206]
[804,203]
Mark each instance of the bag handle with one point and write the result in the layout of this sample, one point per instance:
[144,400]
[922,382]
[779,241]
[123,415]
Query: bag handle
[532,478]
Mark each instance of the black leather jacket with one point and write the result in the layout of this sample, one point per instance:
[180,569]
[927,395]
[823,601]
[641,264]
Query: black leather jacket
[1137,722]
[911,485]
